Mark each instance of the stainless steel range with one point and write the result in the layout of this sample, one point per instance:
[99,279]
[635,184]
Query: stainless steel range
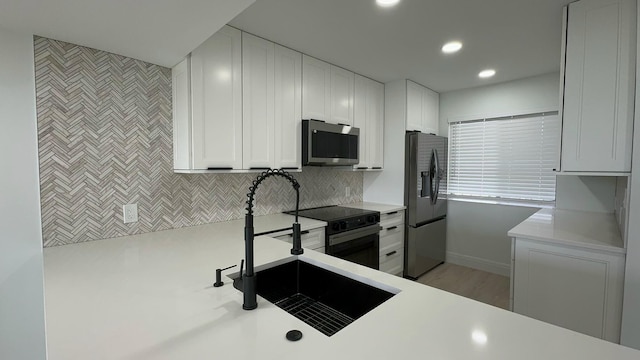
[351,234]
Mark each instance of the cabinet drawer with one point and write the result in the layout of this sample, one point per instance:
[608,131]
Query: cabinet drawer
[393,264]
[311,239]
[395,218]
[391,239]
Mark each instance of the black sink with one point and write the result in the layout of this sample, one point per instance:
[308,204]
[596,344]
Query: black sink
[321,298]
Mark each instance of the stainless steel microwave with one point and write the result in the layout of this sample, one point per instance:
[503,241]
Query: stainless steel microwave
[329,144]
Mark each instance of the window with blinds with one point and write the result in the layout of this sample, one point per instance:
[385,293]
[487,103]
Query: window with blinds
[508,157]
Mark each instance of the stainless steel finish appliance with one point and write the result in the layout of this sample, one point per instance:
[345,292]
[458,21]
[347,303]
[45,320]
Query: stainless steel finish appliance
[351,234]
[329,144]
[426,225]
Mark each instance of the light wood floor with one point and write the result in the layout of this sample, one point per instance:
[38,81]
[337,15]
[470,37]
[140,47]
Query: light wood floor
[475,284]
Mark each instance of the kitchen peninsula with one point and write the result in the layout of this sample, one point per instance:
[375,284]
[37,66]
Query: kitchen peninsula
[150,296]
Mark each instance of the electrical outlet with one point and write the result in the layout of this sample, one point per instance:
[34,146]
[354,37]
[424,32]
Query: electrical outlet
[130,213]
[347,191]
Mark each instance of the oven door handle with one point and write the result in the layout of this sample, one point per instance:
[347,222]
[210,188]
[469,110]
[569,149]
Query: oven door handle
[353,234]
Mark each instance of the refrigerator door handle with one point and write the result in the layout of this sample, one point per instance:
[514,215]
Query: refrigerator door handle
[436,177]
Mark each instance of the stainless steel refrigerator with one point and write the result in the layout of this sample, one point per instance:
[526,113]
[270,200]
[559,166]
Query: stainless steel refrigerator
[425,199]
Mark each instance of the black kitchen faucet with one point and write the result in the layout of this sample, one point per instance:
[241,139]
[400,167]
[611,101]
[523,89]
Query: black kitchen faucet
[249,278]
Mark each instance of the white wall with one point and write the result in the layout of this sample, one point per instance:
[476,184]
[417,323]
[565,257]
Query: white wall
[22,330]
[630,335]
[477,232]
[529,95]
[586,193]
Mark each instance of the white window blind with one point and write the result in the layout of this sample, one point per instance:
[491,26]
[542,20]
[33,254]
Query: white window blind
[508,157]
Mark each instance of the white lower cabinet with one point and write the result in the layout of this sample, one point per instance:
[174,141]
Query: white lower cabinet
[572,287]
[392,242]
[311,239]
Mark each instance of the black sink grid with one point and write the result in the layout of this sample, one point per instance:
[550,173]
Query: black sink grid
[323,299]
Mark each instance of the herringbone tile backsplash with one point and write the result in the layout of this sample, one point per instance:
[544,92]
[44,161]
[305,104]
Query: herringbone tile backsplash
[105,139]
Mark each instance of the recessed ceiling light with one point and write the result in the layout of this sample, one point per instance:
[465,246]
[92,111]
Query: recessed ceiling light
[451,47]
[387,3]
[487,73]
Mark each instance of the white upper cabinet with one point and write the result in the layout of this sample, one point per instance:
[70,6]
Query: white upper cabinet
[272,78]
[430,111]
[258,97]
[181,91]
[327,92]
[599,80]
[216,94]
[414,106]
[369,118]
[422,108]
[316,89]
[288,108]
[237,105]
[341,96]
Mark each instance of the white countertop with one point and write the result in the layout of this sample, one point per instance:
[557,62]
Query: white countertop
[597,231]
[382,208]
[150,297]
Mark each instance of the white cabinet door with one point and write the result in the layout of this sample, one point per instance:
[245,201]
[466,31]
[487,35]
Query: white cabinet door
[341,96]
[414,106]
[361,107]
[599,86]
[217,101]
[288,108]
[375,124]
[316,89]
[369,118]
[258,102]
[181,89]
[579,289]
[423,106]
[430,111]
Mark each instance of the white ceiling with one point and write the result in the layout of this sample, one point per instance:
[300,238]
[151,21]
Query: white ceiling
[162,32]
[518,38]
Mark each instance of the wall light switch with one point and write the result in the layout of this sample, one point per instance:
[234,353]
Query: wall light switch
[130,213]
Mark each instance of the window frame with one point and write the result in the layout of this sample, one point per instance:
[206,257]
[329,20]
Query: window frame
[500,200]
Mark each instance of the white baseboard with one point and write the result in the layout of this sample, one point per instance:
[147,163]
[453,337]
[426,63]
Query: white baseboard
[479,263]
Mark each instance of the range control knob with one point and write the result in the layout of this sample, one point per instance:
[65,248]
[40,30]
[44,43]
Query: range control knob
[371,219]
[343,225]
[335,226]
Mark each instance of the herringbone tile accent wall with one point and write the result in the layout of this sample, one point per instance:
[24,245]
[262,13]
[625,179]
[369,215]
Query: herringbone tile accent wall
[105,138]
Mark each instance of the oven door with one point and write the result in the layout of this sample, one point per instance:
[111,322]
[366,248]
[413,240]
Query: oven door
[361,246]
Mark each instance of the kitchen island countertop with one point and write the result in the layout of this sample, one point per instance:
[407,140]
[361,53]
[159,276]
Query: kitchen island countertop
[150,296]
